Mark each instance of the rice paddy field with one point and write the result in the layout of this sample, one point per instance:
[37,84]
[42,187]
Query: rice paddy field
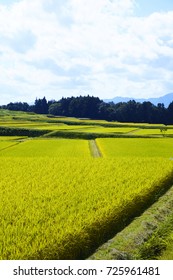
[50,211]
[100,129]
[49,148]
[11,138]
[146,147]
[5,144]
[61,198]
[155,131]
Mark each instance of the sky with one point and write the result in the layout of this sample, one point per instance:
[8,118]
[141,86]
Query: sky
[104,48]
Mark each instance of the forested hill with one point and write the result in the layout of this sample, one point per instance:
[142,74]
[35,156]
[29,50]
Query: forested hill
[94,108]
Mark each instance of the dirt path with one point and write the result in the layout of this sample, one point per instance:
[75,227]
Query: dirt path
[95,152]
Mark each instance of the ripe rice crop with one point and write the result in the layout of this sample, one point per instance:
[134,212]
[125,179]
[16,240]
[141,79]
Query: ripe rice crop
[5,144]
[46,126]
[11,138]
[49,148]
[153,132]
[35,125]
[101,129]
[159,147]
[61,209]
[43,125]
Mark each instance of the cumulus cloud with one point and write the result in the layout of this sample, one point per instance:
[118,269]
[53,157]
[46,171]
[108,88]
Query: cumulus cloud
[100,47]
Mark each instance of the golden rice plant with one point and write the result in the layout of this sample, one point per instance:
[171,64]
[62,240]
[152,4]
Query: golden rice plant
[62,208]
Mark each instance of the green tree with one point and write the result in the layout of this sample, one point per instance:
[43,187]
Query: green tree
[41,106]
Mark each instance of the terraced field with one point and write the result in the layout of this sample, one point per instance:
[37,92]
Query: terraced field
[62,198]
[136,147]
[155,131]
[11,138]
[49,148]
[100,129]
[43,126]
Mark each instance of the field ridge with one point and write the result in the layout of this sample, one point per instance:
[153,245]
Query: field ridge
[95,151]
[127,243]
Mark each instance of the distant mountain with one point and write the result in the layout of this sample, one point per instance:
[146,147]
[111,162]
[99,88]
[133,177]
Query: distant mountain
[166,99]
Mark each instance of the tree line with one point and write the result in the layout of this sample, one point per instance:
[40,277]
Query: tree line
[94,108]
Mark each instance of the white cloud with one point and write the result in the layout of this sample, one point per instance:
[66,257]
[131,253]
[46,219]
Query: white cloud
[95,46]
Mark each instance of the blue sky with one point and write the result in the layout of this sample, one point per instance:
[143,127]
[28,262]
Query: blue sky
[147,7]
[104,48]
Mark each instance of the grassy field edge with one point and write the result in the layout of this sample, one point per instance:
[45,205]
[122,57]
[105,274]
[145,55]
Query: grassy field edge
[146,237]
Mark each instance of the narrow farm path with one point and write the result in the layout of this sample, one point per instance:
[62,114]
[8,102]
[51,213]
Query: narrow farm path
[95,152]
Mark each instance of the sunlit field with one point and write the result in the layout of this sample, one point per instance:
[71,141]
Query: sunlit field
[62,208]
[61,197]
[136,147]
[50,148]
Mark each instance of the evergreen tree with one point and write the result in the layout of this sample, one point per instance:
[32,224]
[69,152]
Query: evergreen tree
[41,106]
